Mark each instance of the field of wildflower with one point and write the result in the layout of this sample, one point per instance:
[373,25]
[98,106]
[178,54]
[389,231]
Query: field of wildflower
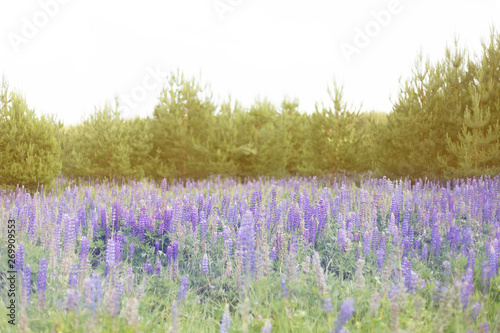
[259,255]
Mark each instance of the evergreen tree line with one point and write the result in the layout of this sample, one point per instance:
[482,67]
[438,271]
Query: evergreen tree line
[444,124]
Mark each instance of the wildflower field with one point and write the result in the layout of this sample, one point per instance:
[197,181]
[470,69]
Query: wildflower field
[265,255]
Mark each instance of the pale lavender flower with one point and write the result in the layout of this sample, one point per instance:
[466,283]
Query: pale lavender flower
[225,323]
[346,312]
[267,327]
[204,264]
[327,305]
[183,287]
[42,281]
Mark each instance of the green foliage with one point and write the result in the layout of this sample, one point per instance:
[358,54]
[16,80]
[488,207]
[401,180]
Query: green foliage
[29,150]
[182,125]
[334,139]
[478,146]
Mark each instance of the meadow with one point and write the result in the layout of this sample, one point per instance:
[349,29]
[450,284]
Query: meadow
[259,255]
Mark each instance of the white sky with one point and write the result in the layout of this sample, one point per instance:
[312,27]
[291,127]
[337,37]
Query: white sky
[89,51]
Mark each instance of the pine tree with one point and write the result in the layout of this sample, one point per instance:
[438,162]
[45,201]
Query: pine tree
[478,145]
[100,147]
[182,123]
[334,141]
[29,150]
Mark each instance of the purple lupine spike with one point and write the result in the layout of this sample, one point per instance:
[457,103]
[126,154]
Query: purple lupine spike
[375,240]
[327,305]
[131,248]
[471,258]
[158,267]
[175,250]
[284,289]
[26,284]
[476,308]
[110,255]
[42,281]
[424,252]
[148,268]
[203,228]
[73,276]
[31,221]
[246,242]
[380,258]
[407,272]
[183,288]
[142,223]
[342,241]
[169,254]
[84,252]
[346,312]
[492,262]
[366,243]
[118,247]
[225,323]
[72,299]
[20,258]
[467,287]
[204,264]
[157,246]
[194,218]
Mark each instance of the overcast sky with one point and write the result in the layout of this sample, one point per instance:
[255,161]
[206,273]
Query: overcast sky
[68,56]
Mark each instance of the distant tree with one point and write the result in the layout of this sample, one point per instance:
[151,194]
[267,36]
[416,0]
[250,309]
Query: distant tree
[182,124]
[333,143]
[101,147]
[430,106]
[29,150]
[478,146]
[295,126]
[140,141]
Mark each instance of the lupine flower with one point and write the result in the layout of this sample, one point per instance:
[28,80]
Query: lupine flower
[246,242]
[424,252]
[380,259]
[26,285]
[175,250]
[183,287]
[72,299]
[327,305]
[158,267]
[284,288]
[471,258]
[148,268]
[131,248]
[84,252]
[493,262]
[92,291]
[169,254]
[342,242]
[267,327]
[42,281]
[407,270]
[20,257]
[73,276]
[204,264]
[346,312]
[476,308]
[110,255]
[467,287]
[225,323]
[112,302]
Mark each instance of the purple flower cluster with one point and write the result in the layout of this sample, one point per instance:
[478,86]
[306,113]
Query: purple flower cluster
[346,312]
